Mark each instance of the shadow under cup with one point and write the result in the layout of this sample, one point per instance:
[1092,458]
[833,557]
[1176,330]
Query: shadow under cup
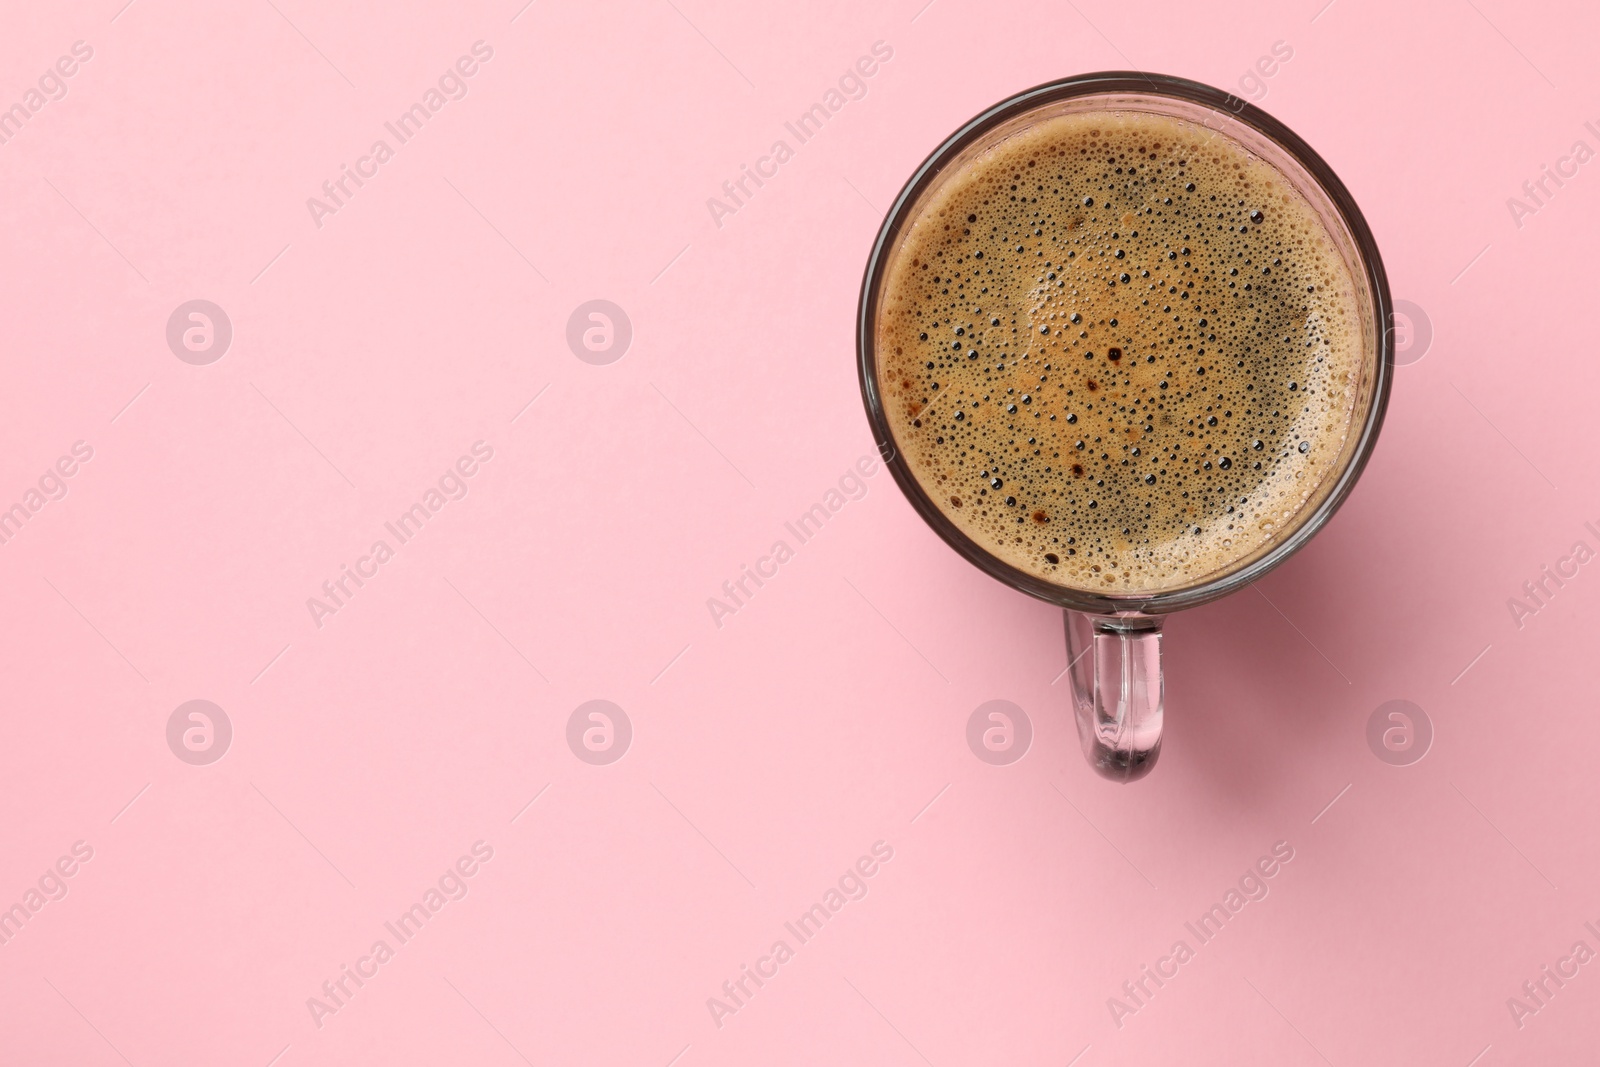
[1114,640]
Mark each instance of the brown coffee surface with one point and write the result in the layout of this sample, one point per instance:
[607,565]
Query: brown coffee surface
[1119,352]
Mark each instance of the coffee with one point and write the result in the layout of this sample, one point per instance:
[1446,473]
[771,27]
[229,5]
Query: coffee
[1119,351]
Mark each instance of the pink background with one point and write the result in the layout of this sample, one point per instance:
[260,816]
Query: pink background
[830,712]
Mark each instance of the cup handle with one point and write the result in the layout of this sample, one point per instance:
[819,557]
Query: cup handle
[1117,690]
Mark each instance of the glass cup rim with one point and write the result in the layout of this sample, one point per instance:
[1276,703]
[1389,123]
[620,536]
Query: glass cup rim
[1148,85]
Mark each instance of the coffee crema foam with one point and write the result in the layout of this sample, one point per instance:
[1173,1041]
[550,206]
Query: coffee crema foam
[1119,352]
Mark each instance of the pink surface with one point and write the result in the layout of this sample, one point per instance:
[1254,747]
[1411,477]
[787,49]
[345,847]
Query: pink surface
[409,744]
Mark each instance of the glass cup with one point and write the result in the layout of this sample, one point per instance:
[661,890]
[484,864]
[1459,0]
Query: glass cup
[1114,641]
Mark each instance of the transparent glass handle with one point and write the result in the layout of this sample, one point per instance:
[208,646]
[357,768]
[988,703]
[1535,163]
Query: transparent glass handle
[1117,690]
